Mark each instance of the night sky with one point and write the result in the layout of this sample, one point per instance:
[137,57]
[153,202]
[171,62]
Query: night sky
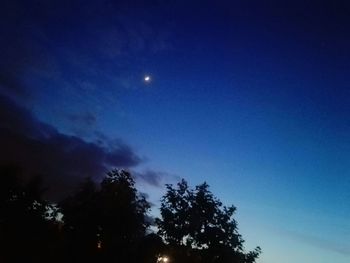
[251,96]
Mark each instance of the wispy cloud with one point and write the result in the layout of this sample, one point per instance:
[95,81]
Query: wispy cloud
[326,244]
[58,34]
[86,118]
[155,178]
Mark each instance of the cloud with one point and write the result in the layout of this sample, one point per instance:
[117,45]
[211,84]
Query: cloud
[84,119]
[63,160]
[315,241]
[82,123]
[155,178]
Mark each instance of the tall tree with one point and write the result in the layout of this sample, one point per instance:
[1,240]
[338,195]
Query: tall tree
[175,210]
[198,221]
[108,221]
[28,230]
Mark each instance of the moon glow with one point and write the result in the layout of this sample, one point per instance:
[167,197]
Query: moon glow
[147,78]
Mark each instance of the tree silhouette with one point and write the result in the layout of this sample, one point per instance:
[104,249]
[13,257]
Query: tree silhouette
[150,248]
[105,222]
[175,225]
[28,230]
[196,224]
[108,222]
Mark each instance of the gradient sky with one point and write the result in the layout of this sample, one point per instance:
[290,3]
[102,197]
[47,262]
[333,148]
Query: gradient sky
[251,96]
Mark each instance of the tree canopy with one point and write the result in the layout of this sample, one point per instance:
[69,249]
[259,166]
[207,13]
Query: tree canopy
[107,221]
[27,224]
[197,221]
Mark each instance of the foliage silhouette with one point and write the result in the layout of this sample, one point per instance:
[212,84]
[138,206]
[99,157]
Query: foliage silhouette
[105,222]
[28,230]
[109,222]
[195,223]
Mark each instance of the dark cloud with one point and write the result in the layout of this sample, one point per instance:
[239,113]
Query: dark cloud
[63,160]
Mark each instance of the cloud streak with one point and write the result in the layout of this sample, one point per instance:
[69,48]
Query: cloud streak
[315,241]
[151,177]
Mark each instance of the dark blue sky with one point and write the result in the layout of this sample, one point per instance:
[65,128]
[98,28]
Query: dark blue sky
[251,97]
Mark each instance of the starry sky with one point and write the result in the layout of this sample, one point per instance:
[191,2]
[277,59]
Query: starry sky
[252,97]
